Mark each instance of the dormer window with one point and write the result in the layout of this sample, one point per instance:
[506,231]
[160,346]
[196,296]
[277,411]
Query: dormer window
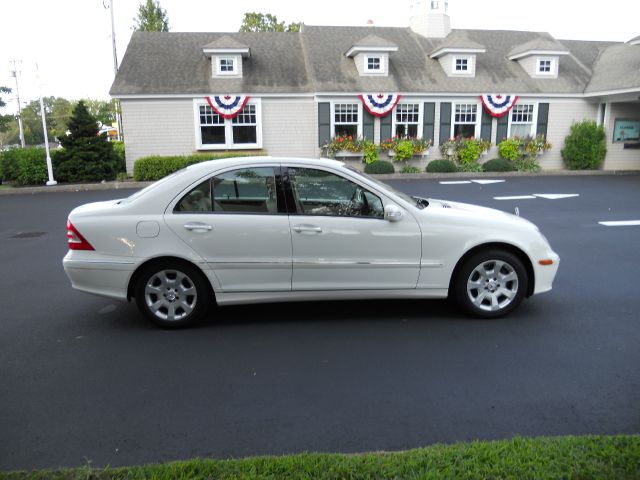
[462,65]
[545,66]
[374,64]
[226,54]
[227,66]
[371,55]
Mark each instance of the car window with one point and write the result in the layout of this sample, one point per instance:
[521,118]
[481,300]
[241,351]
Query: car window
[247,190]
[317,192]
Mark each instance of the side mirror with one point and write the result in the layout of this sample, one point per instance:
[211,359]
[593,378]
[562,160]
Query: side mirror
[393,213]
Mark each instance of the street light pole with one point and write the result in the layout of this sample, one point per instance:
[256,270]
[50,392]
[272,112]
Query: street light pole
[15,73]
[51,181]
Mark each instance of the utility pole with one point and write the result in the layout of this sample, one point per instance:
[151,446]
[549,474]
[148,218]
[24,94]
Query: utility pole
[14,73]
[115,66]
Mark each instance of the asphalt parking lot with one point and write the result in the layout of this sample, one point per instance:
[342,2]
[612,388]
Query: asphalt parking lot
[87,379]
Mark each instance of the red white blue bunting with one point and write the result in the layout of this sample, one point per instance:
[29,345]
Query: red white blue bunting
[379,104]
[227,106]
[497,105]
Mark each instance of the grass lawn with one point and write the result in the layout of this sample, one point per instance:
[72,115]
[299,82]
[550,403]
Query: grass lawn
[579,458]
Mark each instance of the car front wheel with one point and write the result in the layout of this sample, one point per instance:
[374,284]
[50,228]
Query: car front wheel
[491,283]
[172,294]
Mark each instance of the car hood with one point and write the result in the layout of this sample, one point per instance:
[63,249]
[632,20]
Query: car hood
[475,213]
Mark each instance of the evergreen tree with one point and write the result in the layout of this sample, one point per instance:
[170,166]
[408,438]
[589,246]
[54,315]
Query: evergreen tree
[151,18]
[86,156]
[5,120]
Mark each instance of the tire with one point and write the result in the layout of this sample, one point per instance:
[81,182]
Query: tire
[172,294]
[490,283]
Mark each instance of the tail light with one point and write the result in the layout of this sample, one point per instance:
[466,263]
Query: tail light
[75,239]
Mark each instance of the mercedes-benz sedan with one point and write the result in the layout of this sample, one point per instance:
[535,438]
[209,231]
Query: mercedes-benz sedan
[263,229]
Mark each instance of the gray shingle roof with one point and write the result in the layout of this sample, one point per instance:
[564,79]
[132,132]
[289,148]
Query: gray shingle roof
[313,61]
[225,42]
[374,41]
[542,43]
[457,39]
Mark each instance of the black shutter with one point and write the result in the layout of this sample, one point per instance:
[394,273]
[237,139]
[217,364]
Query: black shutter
[385,126]
[367,125]
[543,119]
[485,126]
[324,123]
[503,127]
[428,120]
[445,121]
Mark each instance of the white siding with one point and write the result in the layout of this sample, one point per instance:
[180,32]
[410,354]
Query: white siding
[561,115]
[290,127]
[157,127]
[619,158]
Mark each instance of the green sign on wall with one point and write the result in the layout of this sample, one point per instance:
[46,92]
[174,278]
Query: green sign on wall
[626,130]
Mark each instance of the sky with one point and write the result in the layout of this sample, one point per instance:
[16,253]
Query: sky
[70,40]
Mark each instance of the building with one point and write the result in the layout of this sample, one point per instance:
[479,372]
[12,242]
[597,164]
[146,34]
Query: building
[289,93]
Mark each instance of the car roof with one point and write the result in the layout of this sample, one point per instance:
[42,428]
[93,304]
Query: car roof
[240,161]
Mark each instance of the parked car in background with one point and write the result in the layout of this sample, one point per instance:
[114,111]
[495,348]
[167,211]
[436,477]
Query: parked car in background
[263,229]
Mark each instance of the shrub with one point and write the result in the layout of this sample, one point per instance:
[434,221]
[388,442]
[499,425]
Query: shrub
[469,151]
[24,166]
[379,166]
[155,167]
[527,163]
[370,151]
[499,165]
[585,147]
[410,169]
[404,151]
[441,166]
[509,148]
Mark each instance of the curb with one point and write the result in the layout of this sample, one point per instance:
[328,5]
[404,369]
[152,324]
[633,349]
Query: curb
[131,185]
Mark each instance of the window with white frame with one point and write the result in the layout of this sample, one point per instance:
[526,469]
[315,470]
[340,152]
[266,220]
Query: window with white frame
[242,131]
[227,66]
[461,65]
[521,124]
[373,64]
[465,119]
[346,119]
[545,66]
[407,119]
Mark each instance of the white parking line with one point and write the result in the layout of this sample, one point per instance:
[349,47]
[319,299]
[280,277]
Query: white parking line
[622,223]
[455,182]
[515,197]
[556,196]
[487,182]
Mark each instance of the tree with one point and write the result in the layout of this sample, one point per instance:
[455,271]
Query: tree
[102,110]
[151,18]
[86,156]
[259,22]
[5,120]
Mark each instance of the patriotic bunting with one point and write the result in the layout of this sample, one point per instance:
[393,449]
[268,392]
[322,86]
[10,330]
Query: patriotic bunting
[379,104]
[497,105]
[227,106]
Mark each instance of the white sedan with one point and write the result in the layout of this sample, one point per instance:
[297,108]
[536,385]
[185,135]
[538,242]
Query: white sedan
[263,229]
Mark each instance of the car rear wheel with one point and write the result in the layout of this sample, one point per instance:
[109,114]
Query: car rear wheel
[172,294]
[491,283]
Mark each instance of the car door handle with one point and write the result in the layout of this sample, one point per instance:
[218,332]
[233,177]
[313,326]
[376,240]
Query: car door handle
[198,226]
[307,229]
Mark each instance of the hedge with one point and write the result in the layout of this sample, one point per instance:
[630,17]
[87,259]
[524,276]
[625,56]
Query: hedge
[379,167]
[155,167]
[441,166]
[24,166]
[585,147]
[499,165]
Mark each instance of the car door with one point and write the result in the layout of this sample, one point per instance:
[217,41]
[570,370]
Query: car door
[237,221]
[341,239]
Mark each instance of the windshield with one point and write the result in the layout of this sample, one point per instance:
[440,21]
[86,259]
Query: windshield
[416,201]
